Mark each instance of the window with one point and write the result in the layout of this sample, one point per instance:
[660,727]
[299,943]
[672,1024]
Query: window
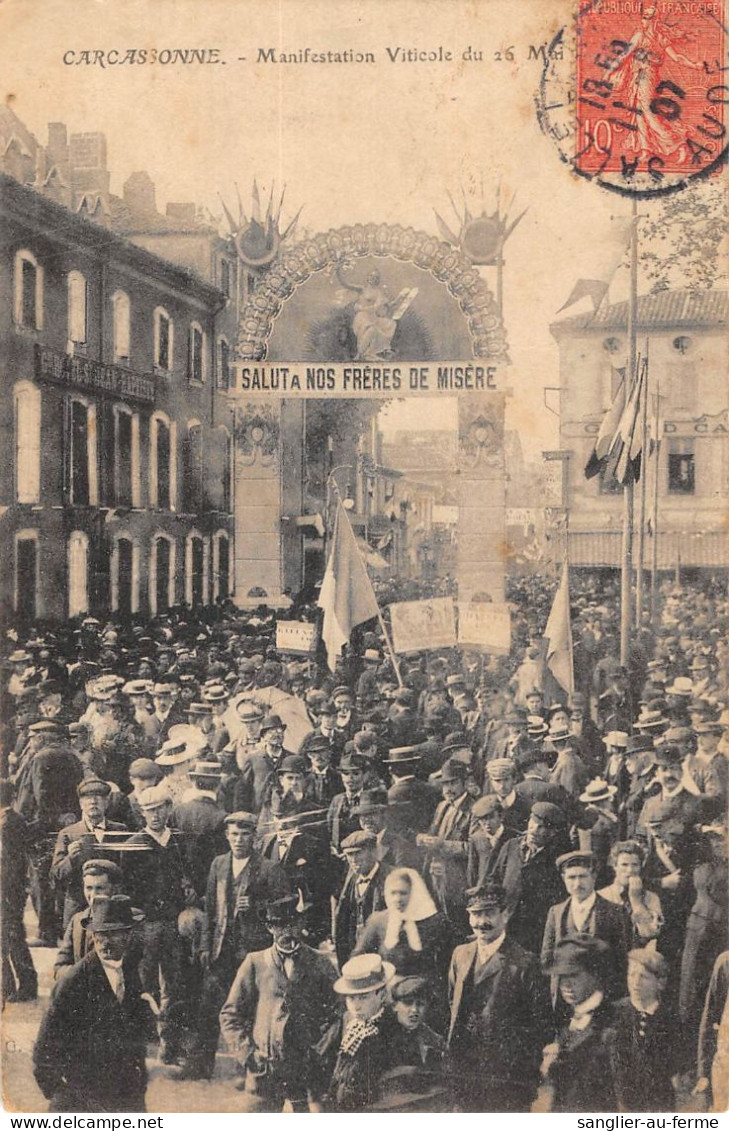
[78,573]
[225,453]
[26,575]
[196,568]
[121,326]
[225,276]
[125,577]
[192,468]
[27,400]
[681,468]
[77,307]
[221,566]
[163,339]
[28,296]
[162,484]
[196,354]
[161,575]
[82,484]
[126,484]
[224,365]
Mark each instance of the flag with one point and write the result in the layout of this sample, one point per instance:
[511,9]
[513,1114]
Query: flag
[594,289]
[603,443]
[347,596]
[627,447]
[558,635]
[607,256]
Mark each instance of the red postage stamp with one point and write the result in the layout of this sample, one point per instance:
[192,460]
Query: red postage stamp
[651,88]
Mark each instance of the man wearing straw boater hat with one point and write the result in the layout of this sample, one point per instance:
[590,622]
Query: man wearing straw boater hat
[279,1006]
[90,1051]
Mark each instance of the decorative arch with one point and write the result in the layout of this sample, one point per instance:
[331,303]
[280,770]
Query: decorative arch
[327,249]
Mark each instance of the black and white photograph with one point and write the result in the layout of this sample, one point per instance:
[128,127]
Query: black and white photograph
[364,559]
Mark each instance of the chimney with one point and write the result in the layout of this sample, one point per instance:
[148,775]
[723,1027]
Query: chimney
[139,194]
[57,143]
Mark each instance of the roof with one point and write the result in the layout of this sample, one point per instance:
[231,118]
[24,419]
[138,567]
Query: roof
[655,311]
[56,222]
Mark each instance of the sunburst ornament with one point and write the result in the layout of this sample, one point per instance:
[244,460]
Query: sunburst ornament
[481,238]
[259,239]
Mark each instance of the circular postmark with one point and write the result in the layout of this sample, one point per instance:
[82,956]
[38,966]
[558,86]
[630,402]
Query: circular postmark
[634,93]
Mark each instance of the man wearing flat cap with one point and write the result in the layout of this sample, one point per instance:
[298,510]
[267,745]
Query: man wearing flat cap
[82,841]
[280,1005]
[89,1055]
[577,1067]
[101,879]
[363,891]
[500,1016]
[526,868]
[487,834]
[237,889]
[585,912]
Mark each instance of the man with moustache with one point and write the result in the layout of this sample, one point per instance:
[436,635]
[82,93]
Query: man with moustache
[500,1014]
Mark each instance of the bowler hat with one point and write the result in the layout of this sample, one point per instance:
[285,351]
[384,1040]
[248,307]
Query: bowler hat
[317,743]
[363,974]
[352,763]
[292,764]
[668,754]
[112,913]
[371,801]
[637,743]
[284,910]
[453,770]
[577,953]
[272,722]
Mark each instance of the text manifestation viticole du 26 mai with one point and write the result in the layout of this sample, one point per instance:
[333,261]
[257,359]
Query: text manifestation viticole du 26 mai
[363,379]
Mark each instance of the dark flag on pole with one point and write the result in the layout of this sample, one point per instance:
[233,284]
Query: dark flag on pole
[599,455]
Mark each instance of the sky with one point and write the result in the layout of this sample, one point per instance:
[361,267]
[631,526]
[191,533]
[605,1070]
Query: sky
[386,142]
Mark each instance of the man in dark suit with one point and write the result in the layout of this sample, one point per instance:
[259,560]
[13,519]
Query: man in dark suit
[587,913]
[90,1052]
[577,1067]
[487,835]
[237,888]
[362,894]
[446,844]
[375,817]
[499,1013]
[301,860]
[82,841]
[168,711]
[279,1007]
[19,978]
[502,775]
[525,866]
[342,818]
[644,1046]
[201,820]
[324,782]
[414,801]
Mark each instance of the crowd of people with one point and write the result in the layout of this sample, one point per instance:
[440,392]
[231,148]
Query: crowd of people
[436,882]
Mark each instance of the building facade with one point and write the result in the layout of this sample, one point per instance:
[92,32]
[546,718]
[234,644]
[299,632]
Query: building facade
[683,335]
[118,491]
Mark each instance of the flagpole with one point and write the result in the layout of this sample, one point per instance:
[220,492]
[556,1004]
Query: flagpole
[380,618]
[639,588]
[626,566]
[656,470]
